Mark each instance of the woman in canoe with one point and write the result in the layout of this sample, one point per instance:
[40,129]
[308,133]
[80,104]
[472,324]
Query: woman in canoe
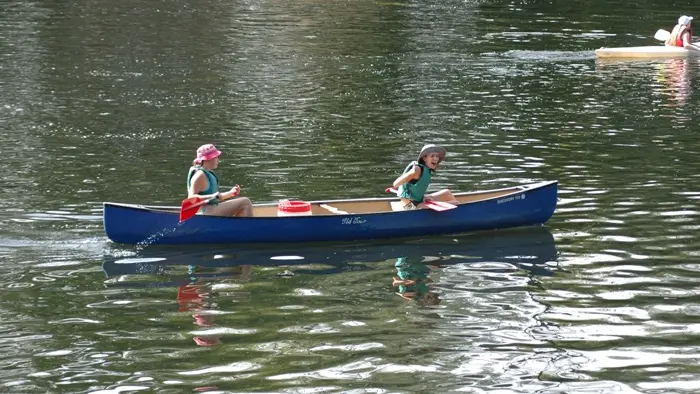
[682,34]
[203,183]
[414,182]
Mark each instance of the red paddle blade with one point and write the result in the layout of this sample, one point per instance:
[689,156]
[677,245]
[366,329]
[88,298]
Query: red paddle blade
[189,207]
[439,205]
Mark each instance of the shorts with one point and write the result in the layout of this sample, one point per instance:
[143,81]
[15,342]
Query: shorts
[204,208]
[411,206]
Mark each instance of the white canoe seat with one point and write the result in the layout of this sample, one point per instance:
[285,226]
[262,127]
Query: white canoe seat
[396,206]
[333,209]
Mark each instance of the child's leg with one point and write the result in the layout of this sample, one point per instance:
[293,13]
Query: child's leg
[443,195]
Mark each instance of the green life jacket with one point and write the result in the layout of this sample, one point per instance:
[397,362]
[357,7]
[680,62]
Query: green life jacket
[415,189]
[213,181]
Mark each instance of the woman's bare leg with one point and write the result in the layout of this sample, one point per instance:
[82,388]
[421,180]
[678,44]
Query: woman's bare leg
[240,206]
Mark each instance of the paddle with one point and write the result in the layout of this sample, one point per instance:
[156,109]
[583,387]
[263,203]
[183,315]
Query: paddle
[432,204]
[190,205]
[662,35]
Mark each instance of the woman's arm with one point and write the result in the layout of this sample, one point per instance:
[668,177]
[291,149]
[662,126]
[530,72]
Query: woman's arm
[686,42]
[199,183]
[409,176]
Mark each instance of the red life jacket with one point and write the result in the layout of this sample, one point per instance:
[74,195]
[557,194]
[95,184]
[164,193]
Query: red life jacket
[676,38]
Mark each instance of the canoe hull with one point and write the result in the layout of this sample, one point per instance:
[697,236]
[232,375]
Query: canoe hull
[133,224]
[645,52]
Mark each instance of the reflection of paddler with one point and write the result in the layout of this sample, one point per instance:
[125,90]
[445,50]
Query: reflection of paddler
[412,280]
[192,297]
[205,340]
[673,76]
[189,297]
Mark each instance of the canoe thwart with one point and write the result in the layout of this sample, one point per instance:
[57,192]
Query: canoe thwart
[333,209]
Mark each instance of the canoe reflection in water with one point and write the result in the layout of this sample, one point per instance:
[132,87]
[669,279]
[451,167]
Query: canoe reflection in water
[528,248]
[410,268]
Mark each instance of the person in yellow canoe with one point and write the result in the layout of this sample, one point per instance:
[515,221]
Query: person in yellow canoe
[682,34]
[203,183]
[414,182]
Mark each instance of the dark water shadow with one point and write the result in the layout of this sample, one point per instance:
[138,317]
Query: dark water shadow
[531,248]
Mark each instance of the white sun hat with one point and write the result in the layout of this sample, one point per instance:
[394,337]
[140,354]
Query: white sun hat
[685,20]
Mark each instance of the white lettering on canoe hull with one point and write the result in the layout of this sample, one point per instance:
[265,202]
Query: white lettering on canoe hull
[357,220]
[511,198]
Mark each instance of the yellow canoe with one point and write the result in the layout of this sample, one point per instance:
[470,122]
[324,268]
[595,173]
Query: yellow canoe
[649,52]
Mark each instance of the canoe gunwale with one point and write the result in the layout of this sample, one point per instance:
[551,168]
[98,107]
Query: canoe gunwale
[515,190]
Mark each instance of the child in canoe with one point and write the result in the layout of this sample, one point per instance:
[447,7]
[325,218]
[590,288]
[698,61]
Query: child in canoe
[413,184]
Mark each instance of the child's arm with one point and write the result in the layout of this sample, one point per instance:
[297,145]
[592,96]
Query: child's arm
[409,176]
[399,281]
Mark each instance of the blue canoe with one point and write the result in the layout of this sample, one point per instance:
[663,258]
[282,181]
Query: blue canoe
[334,220]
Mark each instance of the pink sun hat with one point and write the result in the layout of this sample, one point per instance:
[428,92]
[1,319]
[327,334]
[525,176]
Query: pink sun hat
[207,152]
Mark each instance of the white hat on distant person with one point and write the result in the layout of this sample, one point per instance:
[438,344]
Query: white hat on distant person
[685,20]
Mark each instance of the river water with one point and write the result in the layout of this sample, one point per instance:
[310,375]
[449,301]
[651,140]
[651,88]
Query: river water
[107,101]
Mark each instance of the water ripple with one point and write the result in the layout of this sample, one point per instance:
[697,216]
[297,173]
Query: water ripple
[330,100]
